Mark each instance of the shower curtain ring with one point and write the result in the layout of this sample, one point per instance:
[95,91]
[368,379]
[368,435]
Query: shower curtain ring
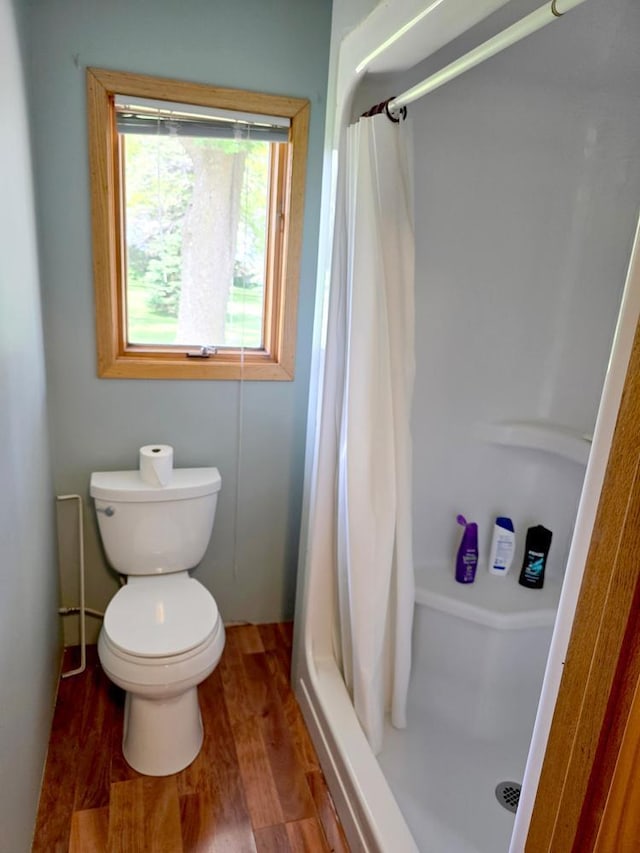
[554,9]
[401,114]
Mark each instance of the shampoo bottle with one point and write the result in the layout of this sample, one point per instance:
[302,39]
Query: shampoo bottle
[536,552]
[467,559]
[502,546]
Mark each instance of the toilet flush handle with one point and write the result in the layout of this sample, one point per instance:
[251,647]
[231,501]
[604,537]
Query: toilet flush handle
[108,511]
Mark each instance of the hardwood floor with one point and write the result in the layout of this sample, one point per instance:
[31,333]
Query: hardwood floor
[255,786]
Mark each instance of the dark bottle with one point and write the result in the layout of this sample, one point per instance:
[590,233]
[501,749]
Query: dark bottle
[536,552]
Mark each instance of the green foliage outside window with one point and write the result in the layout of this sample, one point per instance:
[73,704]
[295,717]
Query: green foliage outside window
[162,175]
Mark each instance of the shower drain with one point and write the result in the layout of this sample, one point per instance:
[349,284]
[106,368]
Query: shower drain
[508,795]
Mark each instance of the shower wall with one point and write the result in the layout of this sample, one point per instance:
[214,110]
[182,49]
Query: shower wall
[527,186]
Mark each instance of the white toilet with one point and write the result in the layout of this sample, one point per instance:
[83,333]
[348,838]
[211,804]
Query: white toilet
[162,633]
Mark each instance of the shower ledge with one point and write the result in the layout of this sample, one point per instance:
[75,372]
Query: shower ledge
[495,602]
[539,435]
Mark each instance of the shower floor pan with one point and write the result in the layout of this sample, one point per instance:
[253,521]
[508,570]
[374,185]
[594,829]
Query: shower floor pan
[477,675]
[444,782]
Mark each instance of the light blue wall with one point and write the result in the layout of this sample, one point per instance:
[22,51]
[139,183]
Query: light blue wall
[278,47]
[28,578]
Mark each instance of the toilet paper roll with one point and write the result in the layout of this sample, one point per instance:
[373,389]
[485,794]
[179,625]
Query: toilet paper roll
[156,464]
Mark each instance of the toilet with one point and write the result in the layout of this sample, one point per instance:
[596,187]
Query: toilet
[162,634]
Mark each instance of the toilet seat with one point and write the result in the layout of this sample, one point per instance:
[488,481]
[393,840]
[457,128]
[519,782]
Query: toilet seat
[160,635]
[160,677]
[161,619]
[159,663]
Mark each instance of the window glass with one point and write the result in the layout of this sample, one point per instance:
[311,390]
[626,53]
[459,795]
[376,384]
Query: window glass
[196,234]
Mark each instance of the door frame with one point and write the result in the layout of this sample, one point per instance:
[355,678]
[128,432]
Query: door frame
[602,664]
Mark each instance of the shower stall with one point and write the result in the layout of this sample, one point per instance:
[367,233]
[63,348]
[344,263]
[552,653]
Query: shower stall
[526,188]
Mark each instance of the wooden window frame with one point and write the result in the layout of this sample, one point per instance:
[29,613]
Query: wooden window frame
[117,359]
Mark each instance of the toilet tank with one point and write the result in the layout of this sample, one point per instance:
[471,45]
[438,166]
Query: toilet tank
[148,530]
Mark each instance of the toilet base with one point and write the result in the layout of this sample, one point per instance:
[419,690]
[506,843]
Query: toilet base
[162,736]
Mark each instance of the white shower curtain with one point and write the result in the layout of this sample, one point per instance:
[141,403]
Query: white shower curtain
[363,512]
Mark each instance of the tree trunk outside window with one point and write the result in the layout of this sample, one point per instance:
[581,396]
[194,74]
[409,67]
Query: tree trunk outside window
[209,239]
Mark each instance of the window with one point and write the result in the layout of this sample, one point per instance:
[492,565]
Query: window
[197,204]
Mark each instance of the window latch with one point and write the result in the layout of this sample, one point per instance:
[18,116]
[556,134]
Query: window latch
[203,352]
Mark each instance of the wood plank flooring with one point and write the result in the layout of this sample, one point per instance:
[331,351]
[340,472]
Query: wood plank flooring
[255,786]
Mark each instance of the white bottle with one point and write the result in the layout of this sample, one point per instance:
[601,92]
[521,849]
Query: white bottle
[503,545]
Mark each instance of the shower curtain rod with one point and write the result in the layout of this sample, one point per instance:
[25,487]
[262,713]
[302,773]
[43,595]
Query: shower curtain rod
[521,29]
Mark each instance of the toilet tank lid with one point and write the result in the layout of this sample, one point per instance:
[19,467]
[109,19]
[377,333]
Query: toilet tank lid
[129,487]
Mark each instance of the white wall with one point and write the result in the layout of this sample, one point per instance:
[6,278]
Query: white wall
[28,585]
[347,14]
[527,193]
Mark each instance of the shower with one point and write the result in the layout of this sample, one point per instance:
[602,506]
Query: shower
[526,189]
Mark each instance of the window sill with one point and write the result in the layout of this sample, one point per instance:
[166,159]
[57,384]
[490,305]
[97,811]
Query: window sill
[253,367]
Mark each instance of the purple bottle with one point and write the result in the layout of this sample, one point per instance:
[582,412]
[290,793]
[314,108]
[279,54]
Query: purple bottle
[467,559]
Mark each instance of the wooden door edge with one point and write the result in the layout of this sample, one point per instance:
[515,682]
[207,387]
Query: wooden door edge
[595,663]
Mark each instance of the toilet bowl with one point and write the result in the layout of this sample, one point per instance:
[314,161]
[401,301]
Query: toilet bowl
[162,633]
[159,657]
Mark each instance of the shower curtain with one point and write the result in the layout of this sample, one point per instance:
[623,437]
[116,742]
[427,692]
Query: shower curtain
[363,508]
